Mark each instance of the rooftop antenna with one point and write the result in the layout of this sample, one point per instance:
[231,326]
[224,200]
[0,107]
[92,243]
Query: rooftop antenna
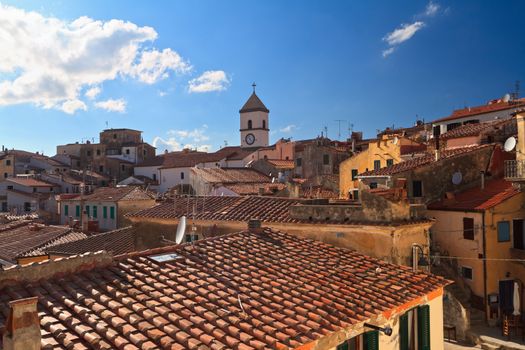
[339,134]
[350,129]
[326,131]
[107,125]
[516,93]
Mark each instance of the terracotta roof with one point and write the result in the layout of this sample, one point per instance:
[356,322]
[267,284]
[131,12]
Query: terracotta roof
[71,236]
[241,291]
[253,104]
[246,189]
[114,194]
[29,182]
[116,242]
[474,199]
[471,111]
[231,175]
[17,240]
[318,192]
[283,164]
[473,129]
[425,159]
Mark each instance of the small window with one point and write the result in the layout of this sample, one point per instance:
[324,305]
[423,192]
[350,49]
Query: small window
[10,187]
[503,231]
[101,168]
[354,174]
[356,195]
[88,153]
[27,206]
[34,189]
[8,162]
[114,136]
[249,124]
[123,167]
[264,124]
[389,162]
[127,151]
[377,164]
[66,210]
[299,162]
[417,189]
[5,175]
[98,152]
[466,272]
[373,185]
[326,159]
[105,212]
[182,175]
[154,177]
[144,152]
[468,228]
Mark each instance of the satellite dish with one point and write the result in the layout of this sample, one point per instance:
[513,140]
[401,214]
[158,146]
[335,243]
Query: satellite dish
[510,144]
[181,230]
[506,98]
[456,178]
[395,141]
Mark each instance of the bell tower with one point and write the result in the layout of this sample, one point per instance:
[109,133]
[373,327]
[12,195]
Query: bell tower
[255,127]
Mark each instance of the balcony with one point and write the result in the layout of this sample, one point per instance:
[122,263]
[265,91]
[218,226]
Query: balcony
[515,170]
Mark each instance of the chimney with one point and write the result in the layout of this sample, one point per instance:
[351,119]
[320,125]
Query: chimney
[261,191]
[520,148]
[255,226]
[482,173]
[22,330]
[436,155]
[85,227]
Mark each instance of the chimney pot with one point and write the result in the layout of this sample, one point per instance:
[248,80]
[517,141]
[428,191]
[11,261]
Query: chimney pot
[23,325]
[255,226]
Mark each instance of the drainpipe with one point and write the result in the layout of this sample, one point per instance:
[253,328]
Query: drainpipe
[482,179]
[484,266]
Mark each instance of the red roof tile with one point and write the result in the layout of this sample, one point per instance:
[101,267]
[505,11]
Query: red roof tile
[231,175]
[425,159]
[471,111]
[239,291]
[29,182]
[476,199]
[473,129]
[282,164]
[113,194]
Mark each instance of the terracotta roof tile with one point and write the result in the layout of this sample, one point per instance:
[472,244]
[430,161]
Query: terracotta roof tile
[282,164]
[231,175]
[239,291]
[71,236]
[471,111]
[473,129]
[425,159]
[495,192]
[113,194]
[29,182]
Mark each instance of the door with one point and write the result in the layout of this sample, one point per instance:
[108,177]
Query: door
[506,294]
[517,232]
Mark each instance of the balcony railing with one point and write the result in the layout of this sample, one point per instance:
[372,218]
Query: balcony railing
[515,170]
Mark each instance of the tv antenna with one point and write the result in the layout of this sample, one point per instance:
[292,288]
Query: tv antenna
[326,131]
[339,133]
[350,129]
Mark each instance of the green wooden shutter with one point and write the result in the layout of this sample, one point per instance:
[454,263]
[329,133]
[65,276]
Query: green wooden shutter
[403,332]
[111,212]
[105,212]
[371,340]
[95,213]
[66,210]
[423,327]
[87,210]
[77,211]
[342,346]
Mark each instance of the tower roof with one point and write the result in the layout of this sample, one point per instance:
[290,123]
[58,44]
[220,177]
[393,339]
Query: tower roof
[253,104]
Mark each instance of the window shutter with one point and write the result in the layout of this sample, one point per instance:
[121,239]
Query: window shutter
[343,346]
[423,327]
[403,332]
[371,340]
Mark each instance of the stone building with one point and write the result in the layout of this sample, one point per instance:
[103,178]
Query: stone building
[318,157]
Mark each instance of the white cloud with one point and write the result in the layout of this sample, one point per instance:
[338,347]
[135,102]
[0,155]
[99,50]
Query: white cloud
[177,140]
[431,9]
[209,81]
[71,106]
[388,51]
[112,105]
[47,61]
[288,128]
[403,33]
[93,92]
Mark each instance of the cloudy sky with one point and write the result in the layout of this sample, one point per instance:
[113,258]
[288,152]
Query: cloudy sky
[180,71]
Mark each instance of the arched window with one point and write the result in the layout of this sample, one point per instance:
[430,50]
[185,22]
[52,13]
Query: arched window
[249,124]
[264,124]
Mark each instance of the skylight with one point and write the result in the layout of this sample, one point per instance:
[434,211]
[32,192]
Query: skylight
[164,257]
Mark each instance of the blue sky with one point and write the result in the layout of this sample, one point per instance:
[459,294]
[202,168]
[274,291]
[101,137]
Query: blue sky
[186,68]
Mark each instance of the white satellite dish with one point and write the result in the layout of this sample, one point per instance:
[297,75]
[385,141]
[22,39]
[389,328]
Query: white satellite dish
[395,141]
[510,144]
[181,230]
[456,178]
[506,98]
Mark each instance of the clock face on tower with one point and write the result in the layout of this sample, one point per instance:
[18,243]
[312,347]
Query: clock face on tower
[250,139]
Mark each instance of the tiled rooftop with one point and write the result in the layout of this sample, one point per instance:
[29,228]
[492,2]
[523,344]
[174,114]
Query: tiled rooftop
[71,236]
[245,290]
[246,189]
[29,182]
[230,175]
[472,129]
[471,111]
[114,194]
[425,159]
[24,237]
[475,199]
[282,164]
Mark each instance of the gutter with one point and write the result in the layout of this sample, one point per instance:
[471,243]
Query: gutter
[484,267]
[373,176]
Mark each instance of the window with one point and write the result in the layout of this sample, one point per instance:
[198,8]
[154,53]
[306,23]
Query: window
[112,213]
[98,152]
[468,228]
[182,175]
[452,126]
[10,187]
[264,124]
[518,234]
[192,237]
[88,153]
[114,136]
[370,341]
[466,272]
[123,167]
[127,151]
[95,211]
[34,189]
[373,185]
[354,174]
[503,231]
[87,210]
[414,329]
[5,175]
[101,168]
[154,177]
[105,212]
[377,164]
[144,152]
[299,162]
[326,159]
[66,210]
[356,195]
[8,162]
[417,189]
[27,206]
[389,162]
[249,124]
[77,211]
